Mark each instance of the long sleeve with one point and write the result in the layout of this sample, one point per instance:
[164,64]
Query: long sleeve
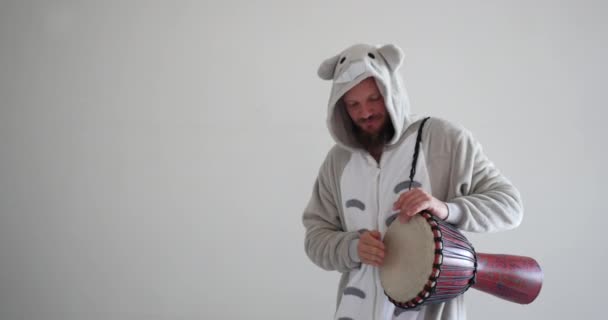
[326,243]
[479,197]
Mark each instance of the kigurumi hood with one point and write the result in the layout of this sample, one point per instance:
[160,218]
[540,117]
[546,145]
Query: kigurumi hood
[350,67]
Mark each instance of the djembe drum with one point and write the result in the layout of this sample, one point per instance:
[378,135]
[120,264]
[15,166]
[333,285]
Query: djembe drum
[428,261]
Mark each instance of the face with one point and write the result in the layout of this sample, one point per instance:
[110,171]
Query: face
[365,106]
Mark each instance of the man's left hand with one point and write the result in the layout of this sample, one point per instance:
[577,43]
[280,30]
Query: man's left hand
[417,200]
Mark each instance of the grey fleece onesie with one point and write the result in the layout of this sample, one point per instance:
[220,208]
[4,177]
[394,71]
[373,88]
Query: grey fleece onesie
[353,192]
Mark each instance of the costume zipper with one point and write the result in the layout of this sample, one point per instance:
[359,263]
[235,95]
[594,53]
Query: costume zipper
[375,274]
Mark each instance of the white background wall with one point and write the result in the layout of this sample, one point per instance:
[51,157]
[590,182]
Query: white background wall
[155,157]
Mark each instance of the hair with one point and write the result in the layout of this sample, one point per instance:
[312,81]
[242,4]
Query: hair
[366,140]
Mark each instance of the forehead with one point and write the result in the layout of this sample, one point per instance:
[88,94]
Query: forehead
[362,90]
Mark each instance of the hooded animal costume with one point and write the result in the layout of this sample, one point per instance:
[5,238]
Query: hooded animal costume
[353,192]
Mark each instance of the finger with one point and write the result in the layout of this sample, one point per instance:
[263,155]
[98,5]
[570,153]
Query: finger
[369,253]
[407,202]
[372,260]
[376,234]
[415,206]
[406,214]
[373,263]
[373,238]
[368,260]
[373,252]
[373,242]
[406,197]
[420,206]
[403,218]
[402,198]
[378,259]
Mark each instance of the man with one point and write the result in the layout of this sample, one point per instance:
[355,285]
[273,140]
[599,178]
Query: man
[365,182]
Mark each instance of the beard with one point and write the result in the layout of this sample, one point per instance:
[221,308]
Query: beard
[375,140]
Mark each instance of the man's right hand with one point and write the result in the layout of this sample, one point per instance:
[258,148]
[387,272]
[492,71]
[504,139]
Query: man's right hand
[371,248]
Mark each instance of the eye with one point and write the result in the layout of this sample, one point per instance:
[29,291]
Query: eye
[351,105]
[342,60]
[371,55]
[375,97]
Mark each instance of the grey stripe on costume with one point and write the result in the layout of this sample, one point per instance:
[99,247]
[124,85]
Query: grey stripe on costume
[355,203]
[352,291]
[345,318]
[405,185]
[391,218]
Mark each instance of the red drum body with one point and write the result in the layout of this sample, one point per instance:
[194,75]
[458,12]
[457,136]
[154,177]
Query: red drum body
[429,261]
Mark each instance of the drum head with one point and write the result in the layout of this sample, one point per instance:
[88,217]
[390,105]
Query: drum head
[408,260]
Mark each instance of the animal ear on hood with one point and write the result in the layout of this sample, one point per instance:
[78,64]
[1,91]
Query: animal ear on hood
[393,56]
[328,67]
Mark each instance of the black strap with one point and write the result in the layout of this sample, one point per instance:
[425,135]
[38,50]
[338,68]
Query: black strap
[416,151]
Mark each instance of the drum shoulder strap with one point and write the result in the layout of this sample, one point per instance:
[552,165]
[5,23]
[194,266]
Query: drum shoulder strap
[416,151]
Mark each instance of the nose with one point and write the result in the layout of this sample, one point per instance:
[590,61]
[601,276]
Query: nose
[366,110]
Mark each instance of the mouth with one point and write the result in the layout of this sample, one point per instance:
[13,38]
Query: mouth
[369,121]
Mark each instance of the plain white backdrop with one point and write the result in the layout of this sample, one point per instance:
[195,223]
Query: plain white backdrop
[155,157]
